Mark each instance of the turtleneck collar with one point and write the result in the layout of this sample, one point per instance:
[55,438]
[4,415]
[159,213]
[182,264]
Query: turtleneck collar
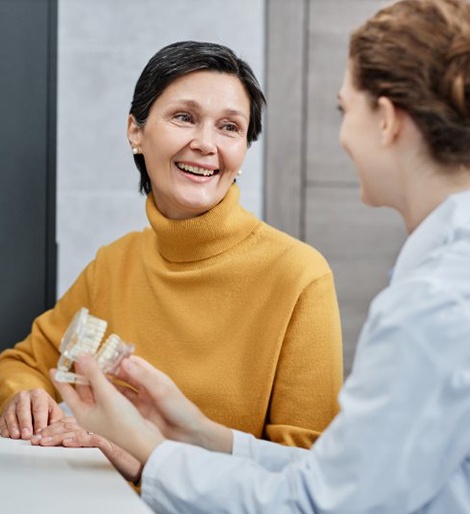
[210,234]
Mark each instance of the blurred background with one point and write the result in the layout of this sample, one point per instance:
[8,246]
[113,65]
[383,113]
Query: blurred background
[68,183]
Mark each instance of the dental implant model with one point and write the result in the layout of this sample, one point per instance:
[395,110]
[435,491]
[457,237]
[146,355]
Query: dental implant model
[83,336]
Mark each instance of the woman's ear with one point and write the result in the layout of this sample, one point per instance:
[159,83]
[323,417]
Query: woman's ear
[134,133]
[390,119]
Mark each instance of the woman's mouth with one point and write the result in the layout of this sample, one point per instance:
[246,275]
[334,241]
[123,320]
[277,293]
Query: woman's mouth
[196,170]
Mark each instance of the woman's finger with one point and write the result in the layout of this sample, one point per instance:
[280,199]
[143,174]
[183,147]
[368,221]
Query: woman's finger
[141,373]
[130,394]
[123,375]
[68,393]
[79,438]
[84,391]
[142,363]
[84,439]
[98,381]
[67,424]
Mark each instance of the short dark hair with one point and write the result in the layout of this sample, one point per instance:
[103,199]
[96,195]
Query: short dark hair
[185,57]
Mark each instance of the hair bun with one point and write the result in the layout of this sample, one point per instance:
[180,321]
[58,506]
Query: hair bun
[456,80]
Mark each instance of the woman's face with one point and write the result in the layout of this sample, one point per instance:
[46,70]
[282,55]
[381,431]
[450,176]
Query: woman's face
[360,136]
[194,141]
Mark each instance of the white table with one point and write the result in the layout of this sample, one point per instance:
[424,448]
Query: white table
[62,481]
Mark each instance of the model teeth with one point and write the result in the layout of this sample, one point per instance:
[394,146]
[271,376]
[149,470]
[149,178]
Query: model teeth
[84,335]
[195,169]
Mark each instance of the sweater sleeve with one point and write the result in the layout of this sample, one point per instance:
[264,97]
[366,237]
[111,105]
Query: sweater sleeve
[310,368]
[27,365]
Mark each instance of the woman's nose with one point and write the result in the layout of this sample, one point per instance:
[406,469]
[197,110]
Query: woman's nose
[204,139]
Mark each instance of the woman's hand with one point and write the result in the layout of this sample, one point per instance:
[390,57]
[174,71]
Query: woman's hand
[160,401]
[27,413]
[67,432]
[100,408]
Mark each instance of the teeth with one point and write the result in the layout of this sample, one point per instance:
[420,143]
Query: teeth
[83,335]
[195,169]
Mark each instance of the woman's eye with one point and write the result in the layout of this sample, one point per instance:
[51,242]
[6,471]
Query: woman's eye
[230,127]
[184,117]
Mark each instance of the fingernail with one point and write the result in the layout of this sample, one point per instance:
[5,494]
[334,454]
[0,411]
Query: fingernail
[129,365]
[14,432]
[26,432]
[36,438]
[46,439]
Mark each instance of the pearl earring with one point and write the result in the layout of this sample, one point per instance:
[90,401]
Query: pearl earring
[239,172]
[135,151]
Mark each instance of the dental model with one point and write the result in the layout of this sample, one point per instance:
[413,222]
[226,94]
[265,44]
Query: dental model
[112,352]
[83,336]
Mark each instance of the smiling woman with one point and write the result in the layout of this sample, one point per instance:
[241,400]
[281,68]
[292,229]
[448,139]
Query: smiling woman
[194,142]
[243,317]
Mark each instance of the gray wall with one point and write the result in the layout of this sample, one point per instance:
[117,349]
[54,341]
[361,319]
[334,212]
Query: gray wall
[103,47]
[312,187]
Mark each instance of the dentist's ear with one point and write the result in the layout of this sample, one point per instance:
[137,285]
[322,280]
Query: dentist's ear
[390,120]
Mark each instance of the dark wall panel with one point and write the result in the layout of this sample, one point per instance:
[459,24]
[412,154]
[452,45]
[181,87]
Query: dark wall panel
[28,58]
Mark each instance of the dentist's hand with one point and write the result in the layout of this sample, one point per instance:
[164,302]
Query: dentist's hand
[160,401]
[101,409]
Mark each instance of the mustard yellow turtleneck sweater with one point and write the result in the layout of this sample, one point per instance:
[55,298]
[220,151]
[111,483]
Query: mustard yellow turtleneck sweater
[244,319]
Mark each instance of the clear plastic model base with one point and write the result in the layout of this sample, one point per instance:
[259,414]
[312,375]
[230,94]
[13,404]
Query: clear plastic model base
[83,336]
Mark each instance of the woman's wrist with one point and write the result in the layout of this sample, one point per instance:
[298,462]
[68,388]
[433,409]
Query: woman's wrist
[143,445]
[129,467]
[215,437]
